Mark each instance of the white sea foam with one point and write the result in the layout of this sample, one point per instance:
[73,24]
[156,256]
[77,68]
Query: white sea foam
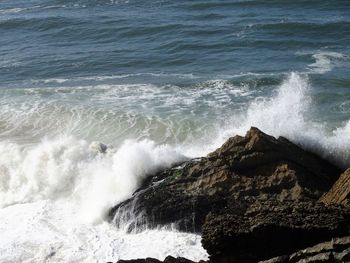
[11,10]
[325,61]
[112,113]
[288,114]
[47,231]
[54,197]
[115,77]
[55,192]
[67,168]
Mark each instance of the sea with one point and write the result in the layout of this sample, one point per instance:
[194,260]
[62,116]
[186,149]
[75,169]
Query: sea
[157,82]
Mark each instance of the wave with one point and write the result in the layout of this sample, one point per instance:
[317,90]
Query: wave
[151,76]
[288,114]
[325,61]
[305,27]
[57,191]
[54,197]
[67,168]
[164,113]
[113,77]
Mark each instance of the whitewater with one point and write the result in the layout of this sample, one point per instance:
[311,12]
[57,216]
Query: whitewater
[55,192]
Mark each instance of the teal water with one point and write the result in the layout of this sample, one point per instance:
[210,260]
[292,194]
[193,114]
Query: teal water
[157,82]
[105,64]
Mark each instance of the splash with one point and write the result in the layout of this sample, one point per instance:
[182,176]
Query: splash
[54,194]
[67,168]
[54,197]
[287,114]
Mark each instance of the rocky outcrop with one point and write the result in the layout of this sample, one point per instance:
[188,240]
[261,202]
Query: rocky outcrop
[340,191]
[271,229]
[335,250]
[168,259]
[245,170]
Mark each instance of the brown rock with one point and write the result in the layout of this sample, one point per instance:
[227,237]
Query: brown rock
[340,191]
[256,167]
[270,229]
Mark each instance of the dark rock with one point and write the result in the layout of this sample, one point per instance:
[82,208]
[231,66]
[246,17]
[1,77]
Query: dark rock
[168,259]
[270,229]
[144,260]
[244,170]
[340,191]
[335,250]
[98,147]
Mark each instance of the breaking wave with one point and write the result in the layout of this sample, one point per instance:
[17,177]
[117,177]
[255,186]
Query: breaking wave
[63,185]
[288,113]
[325,61]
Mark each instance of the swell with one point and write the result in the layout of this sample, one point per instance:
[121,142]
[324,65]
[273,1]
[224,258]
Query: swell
[210,5]
[306,27]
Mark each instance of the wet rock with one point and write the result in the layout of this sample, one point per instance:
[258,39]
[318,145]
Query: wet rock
[98,147]
[168,259]
[245,170]
[335,250]
[145,260]
[270,229]
[340,191]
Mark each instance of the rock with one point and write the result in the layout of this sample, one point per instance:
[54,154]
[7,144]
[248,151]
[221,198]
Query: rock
[335,250]
[245,170]
[145,260]
[340,192]
[98,147]
[168,259]
[270,229]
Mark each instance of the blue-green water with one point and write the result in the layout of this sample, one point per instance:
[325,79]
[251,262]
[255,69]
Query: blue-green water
[116,60]
[157,81]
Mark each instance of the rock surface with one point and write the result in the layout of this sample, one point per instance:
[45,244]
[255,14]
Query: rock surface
[336,250]
[270,229]
[340,191]
[256,167]
[255,198]
[168,259]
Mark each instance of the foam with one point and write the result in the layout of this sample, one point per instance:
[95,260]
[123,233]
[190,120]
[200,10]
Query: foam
[47,231]
[67,168]
[115,77]
[55,192]
[288,114]
[54,197]
[325,61]
[104,112]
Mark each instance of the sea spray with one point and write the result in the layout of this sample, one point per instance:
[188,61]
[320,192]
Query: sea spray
[54,197]
[67,168]
[61,188]
[288,114]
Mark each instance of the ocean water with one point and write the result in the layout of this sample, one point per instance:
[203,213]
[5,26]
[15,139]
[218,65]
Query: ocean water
[157,82]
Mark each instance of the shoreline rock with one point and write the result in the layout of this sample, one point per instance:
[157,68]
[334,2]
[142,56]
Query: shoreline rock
[168,259]
[335,250]
[340,191]
[254,198]
[243,170]
[271,229]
